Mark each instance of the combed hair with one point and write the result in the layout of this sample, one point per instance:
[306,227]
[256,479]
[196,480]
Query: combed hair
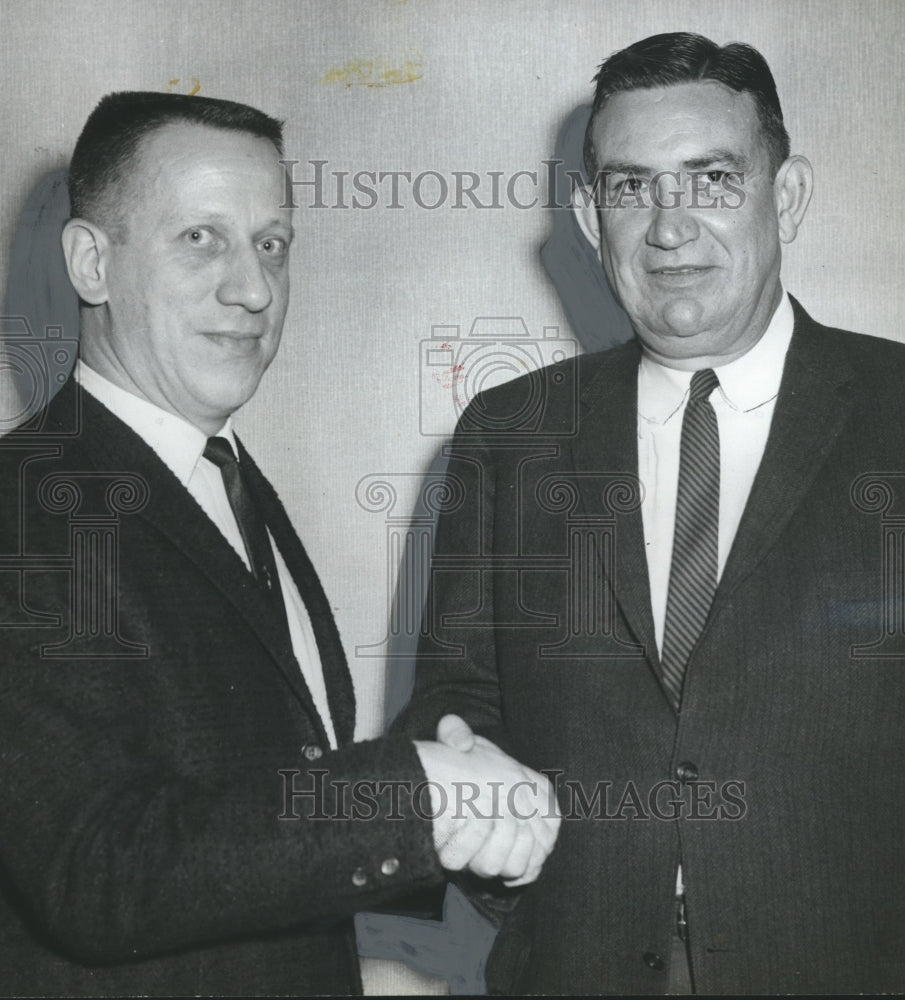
[110,140]
[683,57]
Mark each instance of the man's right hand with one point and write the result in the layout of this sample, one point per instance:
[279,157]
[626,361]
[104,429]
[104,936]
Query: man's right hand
[491,814]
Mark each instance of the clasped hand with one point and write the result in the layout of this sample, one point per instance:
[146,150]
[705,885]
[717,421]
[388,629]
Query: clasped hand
[491,814]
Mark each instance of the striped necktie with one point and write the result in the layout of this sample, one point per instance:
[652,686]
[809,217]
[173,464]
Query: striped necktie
[693,574]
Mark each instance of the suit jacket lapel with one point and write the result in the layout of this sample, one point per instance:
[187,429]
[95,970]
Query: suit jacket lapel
[811,410]
[338,680]
[607,442]
[114,447]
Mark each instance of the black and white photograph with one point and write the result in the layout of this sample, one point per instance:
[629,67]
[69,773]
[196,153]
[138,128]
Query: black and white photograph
[452,498]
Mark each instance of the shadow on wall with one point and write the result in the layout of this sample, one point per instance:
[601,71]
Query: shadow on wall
[598,323]
[456,947]
[39,328]
[597,320]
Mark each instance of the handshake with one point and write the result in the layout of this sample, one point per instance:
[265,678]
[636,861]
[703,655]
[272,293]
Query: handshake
[492,815]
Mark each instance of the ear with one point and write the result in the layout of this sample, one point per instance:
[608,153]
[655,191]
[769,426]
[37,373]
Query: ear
[584,208]
[85,247]
[792,190]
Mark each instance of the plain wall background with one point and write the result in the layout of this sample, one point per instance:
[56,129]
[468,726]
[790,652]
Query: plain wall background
[489,86]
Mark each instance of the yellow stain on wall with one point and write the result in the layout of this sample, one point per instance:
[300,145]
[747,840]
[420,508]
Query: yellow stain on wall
[196,86]
[376,72]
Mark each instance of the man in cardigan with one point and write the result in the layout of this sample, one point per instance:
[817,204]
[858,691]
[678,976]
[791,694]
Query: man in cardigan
[671,587]
[184,811]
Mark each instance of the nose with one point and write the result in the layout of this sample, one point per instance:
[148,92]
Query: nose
[671,227]
[244,281]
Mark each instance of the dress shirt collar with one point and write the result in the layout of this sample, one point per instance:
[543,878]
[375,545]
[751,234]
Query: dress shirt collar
[746,383]
[177,443]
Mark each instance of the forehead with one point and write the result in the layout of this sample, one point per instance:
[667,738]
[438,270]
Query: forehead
[676,124]
[187,165]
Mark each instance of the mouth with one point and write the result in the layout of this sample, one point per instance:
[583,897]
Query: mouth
[235,342]
[680,269]
[680,273]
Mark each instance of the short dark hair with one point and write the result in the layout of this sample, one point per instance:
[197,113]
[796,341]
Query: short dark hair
[113,133]
[683,57]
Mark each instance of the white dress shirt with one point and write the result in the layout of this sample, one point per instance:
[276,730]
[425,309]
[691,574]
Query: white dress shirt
[180,446]
[743,405]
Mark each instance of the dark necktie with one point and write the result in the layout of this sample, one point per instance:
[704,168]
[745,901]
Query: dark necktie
[693,574]
[251,524]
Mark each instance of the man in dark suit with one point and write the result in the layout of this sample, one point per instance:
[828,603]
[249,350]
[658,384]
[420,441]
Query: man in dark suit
[668,585]
[184,810]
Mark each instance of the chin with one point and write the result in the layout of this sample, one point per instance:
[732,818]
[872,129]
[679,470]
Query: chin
[226,399]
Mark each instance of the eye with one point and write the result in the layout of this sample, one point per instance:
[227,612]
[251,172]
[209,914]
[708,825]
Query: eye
[627,184]
[715,176]
[197,236]
[273,246]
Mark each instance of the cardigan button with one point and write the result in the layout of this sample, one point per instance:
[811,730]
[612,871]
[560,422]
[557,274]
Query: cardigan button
[653,961]
[389,866]
[686,771]
[311,751]
[359,878]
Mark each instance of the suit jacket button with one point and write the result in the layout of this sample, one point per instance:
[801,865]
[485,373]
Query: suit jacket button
[686,771]
[390,866]
[653,961]
[359,878]
[311,751]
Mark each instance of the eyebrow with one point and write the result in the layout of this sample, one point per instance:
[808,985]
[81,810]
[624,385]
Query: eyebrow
[624,167]
[724,157]
[287,227]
